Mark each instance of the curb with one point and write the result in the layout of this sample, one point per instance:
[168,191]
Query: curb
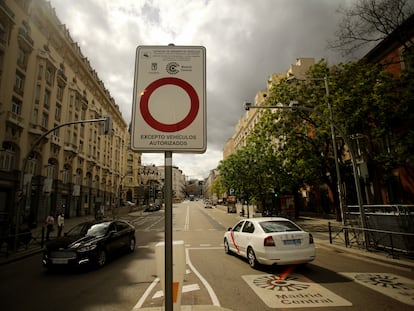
[380,257]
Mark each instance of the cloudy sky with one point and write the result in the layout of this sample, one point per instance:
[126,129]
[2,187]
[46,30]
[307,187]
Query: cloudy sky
[246,41]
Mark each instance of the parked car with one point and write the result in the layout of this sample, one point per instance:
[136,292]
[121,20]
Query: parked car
[269,241]
[90,242]
[208,204]
[153,207]
[129,203]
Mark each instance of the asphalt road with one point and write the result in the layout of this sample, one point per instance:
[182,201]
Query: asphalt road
[335,280]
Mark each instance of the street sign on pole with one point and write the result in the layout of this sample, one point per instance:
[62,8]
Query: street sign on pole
[169,99]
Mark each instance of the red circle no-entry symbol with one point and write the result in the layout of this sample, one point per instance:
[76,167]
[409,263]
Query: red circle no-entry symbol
[164,127]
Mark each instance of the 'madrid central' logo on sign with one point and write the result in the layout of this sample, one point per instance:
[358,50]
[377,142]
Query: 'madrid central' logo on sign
[169,100]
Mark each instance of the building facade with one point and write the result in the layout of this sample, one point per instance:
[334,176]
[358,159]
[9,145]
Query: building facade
[46,165]
[248,122]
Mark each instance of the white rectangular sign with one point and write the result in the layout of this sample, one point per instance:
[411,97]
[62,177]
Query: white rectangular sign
[169,100]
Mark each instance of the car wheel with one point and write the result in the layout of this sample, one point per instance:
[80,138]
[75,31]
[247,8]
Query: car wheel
[101,258]
[227,247]
[131,245]
[251,257]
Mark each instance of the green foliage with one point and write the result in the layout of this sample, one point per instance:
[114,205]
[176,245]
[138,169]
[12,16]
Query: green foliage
[289,149]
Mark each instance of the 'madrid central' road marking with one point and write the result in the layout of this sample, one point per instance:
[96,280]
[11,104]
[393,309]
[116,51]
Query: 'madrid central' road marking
[391,285]
[293,291]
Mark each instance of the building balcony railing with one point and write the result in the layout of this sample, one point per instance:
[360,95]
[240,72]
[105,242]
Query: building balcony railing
[56,140]
[25,40]
[15,119]
[71,148]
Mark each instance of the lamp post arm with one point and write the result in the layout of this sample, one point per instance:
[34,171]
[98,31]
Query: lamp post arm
[354,167]
[20,198]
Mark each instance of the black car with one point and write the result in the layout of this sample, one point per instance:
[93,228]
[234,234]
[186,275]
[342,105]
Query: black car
[153,207]
[90,242]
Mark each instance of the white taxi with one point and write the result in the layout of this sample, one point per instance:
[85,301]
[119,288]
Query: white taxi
[269,241]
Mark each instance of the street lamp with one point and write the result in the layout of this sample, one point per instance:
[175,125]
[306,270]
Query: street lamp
[338,173]
[294,107]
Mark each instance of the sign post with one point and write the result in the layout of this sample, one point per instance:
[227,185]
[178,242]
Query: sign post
[169,115]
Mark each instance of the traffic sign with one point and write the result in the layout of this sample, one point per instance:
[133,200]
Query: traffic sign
[169,100]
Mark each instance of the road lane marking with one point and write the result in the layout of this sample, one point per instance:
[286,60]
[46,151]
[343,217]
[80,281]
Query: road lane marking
[186,289]
[141,301]
[187,220]
[210,290]
[391,285]
[292,291]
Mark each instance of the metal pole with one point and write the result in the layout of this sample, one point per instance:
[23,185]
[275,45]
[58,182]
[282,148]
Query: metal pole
[168,233]
[351,150]
[338,173]
[20,204]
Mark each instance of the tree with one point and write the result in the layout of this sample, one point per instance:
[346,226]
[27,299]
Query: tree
[368,22]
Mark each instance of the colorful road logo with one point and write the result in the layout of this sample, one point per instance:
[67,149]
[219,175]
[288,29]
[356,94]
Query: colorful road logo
[293,291]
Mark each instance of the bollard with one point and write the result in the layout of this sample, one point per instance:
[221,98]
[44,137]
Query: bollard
[178,269]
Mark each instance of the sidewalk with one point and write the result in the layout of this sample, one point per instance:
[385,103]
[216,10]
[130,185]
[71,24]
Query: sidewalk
[35,245]
[319,229]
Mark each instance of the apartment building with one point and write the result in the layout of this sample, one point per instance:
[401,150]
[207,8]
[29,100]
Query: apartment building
[248,122]
[45,83]
[178,183]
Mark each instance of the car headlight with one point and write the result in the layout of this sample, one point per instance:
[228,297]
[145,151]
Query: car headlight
[86,248]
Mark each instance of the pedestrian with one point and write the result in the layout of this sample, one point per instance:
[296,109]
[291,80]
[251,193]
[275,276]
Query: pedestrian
[50,221]
[60,223]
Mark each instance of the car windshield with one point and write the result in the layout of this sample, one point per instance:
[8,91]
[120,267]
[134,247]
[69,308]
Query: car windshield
[278,226]
[98,229]
[88,229]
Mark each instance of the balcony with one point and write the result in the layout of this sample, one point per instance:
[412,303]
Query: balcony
[62,77]
[15,119]
[12,135]
[56,140]
[72,149]
[25,41]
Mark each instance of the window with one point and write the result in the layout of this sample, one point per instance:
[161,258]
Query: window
[49,75]
[46,99]
[16,106]
[45,120]
[248,227]
[80,147]
[50,171]
[35,115]
[40,72]
[238,226]
[37,95]
[60,92]
[408,58]
[32,164]
[58,111]
[21,58]
[82,131]
[7,158]
[66,176]
[19,83]
[3,36]
[278,226]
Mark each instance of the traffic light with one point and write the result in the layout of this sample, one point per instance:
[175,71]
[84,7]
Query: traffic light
[276,195]
[247,106]
[107,126]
